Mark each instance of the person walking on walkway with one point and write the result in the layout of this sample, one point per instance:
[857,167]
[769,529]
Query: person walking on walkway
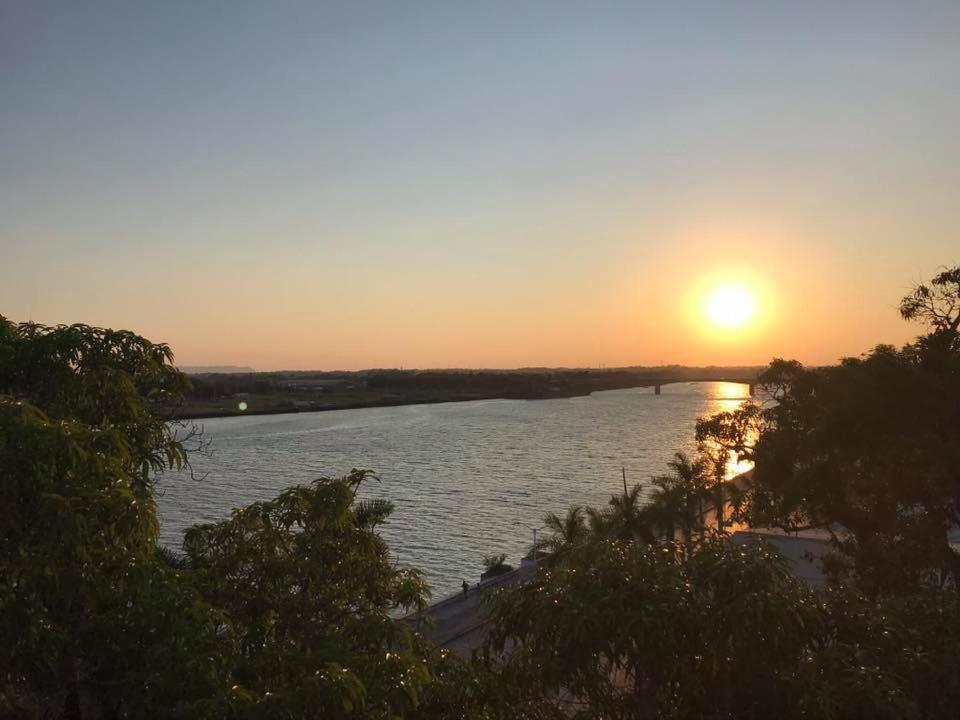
[466,587]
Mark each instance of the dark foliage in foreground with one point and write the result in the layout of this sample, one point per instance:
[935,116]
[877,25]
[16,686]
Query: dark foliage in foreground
[630,630]
[282,611]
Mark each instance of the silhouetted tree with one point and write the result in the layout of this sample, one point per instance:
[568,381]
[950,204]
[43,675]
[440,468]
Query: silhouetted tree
[626,517]
[679,497]
[629,630]
[868,449]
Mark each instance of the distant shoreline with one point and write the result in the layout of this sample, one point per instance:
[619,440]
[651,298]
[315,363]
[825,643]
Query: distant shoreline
[394,403]
[215,396]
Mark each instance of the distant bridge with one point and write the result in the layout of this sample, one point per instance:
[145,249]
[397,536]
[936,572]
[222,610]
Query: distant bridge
[657,383]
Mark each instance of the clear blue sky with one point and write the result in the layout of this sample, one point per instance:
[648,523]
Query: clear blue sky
[502,184]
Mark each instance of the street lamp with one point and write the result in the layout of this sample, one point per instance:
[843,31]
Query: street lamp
[534,530]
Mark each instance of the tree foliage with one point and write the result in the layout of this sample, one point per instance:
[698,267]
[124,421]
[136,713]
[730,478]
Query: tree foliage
[88,617]
[286,609]
[631,630]
[563,533]
[681,497]
[937,305]
[309,590]
[677,508]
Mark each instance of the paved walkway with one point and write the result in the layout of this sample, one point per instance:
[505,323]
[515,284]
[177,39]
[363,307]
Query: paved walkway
[460,624]
[802,550]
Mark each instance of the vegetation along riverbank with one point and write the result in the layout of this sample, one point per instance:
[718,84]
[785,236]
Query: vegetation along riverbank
[228,394]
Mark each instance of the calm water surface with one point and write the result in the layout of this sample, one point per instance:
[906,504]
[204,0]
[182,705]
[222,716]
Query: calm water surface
[468,479]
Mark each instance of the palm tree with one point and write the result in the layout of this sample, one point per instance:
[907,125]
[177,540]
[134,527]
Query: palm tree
[369,513]
[667,505]
[679,496]
[720,490]
[566,532]
[596,522]
[626,518]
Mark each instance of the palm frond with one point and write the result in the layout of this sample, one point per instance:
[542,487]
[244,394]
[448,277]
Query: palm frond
[372,512]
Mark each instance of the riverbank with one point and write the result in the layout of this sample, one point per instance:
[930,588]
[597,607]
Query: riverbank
[219,395]
[269,406]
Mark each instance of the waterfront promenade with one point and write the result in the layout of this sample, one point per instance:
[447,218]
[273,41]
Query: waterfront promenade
[460,624]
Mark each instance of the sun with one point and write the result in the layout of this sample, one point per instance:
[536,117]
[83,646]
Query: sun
[731,306]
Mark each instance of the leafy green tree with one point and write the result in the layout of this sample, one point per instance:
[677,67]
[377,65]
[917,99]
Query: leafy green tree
[483,689]
[629,630]
[88,617]
[310,592]
[625,629]
[287,609]
[883,656]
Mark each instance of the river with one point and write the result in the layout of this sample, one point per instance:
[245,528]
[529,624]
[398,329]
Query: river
[467,479]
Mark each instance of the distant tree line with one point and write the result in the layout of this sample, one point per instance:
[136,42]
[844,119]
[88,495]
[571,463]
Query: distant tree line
[217,385]
[453,384]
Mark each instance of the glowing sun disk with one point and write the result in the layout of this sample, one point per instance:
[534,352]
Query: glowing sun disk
[731,306]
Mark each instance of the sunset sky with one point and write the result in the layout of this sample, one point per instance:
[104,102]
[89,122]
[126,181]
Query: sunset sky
[348,185]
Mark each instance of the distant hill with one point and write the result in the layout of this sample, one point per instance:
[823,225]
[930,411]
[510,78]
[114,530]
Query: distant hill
[215,369]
